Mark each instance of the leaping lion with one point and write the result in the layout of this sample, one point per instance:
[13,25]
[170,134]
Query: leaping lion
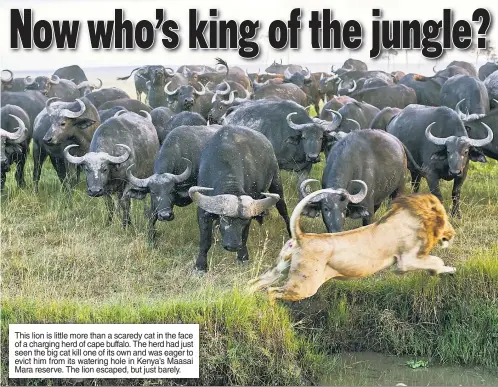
[403,236]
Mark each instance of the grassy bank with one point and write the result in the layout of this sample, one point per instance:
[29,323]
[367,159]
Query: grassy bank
[62,263]
[242,341]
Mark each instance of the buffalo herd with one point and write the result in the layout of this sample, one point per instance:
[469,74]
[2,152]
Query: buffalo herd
[219,137]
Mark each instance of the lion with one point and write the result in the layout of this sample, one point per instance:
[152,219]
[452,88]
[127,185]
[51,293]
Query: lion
[404,236]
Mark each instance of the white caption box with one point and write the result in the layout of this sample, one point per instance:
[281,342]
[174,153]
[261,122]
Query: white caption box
[103,351]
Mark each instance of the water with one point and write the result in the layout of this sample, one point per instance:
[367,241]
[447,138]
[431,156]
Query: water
[375,369]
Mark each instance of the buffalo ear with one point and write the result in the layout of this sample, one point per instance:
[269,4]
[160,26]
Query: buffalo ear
[137,193]
[293,140]
[83,123]
[477,156]
[441,155]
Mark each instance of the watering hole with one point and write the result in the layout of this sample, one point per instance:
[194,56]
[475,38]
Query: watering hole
[375,369]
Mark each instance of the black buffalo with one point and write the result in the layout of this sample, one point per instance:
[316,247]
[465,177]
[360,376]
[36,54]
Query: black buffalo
[238,180]
[438,141]
[175,170]
[119,142]
[361,183]
[15,136]
[296,138]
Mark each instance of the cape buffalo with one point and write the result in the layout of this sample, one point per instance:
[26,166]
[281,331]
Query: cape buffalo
[15,136]
[175,170]
[126,139]
[438,141]
[238,180]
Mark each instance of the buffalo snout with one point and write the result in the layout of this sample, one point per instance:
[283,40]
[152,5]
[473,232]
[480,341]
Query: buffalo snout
[167,215]
[95,192]
[314,158]
[232,248]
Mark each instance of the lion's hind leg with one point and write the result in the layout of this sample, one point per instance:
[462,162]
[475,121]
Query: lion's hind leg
[271,276]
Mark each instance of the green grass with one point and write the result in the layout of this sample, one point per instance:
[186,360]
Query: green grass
[61,262]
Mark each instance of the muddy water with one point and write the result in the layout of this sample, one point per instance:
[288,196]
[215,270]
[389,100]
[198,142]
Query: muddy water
[374,369]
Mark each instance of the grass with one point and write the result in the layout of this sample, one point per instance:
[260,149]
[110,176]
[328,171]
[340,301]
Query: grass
[61,262]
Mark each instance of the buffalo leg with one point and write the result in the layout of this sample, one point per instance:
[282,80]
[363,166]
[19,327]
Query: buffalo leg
[39,156]
[276,187]
[455,193]
[124,203]
[60,168]
[21,162]
[205,221]
[243,253]
[368,218]
[3,178]
[433,182]
[151,232]
[415,181]
[109,203]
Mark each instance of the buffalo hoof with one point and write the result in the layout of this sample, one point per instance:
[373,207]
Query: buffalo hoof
[198,272]
[243,262]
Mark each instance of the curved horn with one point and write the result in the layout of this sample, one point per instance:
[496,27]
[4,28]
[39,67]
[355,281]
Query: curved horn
[185,174]
[83,84]
[166,90]
[202,92]
[226,91]
[29,80]
[308,76]
[226,205]
[248,95]
[484,141]
[141,183]
[169,71]
[19,135]
[119,112]
[69,114]
[10,78]
[434,69]
[467,117]
[51,110]
[230,99]
[304,185]
[54,79]
[250,208]
[353,88]
[332,69]
[70,158]
[356,198]
[146,114]
[294,126]
[356,123]
[462,116]
[431,138]
[336,118]
[100,84]
[119,159]
[334,76]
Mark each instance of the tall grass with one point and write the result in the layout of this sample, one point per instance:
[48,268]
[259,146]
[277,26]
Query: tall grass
[61,262]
